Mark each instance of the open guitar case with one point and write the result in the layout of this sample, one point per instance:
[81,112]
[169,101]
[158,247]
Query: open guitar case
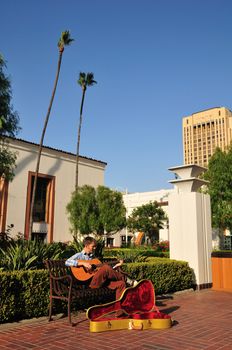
[137,305]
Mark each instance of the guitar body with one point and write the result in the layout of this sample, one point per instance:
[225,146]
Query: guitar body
[81,273]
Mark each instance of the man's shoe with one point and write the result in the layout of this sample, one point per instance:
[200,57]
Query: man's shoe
[130,282]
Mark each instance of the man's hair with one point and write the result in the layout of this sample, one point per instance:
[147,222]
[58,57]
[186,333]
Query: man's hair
[88,240]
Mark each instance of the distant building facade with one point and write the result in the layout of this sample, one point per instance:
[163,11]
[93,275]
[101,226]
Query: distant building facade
[131,202]
[203,132]
[56,182]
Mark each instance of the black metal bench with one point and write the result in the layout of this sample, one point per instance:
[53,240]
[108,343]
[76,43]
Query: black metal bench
[64,286]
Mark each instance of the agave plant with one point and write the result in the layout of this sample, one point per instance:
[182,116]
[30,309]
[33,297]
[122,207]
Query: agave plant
[76,244]
[15,257]
[25,255]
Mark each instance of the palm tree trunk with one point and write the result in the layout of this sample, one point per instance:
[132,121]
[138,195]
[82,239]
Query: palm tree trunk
[41,144]
[78,138]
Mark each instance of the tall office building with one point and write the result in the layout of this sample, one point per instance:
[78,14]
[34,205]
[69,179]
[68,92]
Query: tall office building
[203,132]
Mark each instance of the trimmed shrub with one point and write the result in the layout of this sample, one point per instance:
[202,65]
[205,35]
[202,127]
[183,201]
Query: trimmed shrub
[222,254]
[166,275]
[118,252]
[25,294]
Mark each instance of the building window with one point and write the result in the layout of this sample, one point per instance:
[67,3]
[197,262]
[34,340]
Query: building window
[43,211]
[110,242]
[40,206]
[123,240]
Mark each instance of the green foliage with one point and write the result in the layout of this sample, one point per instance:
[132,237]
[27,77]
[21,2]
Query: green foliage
[131,255]
[9,125]
[65,40]
[77,244]
[112,213]
[29,255]
[134,251]
[86,79]
[25,294]
[5,236]
[7,162]
[221,254]
[9,118]
[83,211]
[147,218]
[100,247]
[166,275]
[219,175]
[162,246]
[99,211]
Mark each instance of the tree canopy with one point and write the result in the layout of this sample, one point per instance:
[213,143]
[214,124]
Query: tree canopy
[147,218]
[219,175]
[100,211]
[9,125]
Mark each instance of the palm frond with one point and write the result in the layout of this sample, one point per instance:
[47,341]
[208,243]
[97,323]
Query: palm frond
[65,39]
[90,79]
[86,79]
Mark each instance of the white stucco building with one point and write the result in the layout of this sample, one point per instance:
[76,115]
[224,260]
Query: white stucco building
[134,200]
[56,183]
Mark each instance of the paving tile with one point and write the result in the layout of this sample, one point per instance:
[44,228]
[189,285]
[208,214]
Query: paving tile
[202,321]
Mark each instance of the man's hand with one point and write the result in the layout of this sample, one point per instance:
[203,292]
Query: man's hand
[86,265]
[119,264]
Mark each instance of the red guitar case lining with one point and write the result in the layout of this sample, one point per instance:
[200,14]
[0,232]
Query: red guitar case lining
[136,303]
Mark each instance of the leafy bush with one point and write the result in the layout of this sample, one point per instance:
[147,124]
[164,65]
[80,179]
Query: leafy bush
[130,255]
[25,294]
[144,251]
[166,275]
[162,246]
[221,254]
[21,254]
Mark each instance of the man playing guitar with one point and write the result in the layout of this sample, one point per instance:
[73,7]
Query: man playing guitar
[104,275]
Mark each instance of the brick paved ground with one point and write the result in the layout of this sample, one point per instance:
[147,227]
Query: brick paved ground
[203,321]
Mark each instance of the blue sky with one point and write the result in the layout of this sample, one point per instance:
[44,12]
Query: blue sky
[155,61]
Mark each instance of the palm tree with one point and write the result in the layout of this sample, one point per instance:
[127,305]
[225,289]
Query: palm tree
[64,40]
[84,81]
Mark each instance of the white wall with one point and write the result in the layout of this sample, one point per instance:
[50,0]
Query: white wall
[53,162]
[134,200]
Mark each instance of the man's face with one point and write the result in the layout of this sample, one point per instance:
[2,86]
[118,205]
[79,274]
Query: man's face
[90,248]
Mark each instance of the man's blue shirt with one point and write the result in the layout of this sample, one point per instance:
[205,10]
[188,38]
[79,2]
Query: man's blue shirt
[73,260]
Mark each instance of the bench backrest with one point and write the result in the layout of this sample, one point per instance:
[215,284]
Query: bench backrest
[57,268]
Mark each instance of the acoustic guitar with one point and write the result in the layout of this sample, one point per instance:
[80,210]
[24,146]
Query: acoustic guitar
[82,274]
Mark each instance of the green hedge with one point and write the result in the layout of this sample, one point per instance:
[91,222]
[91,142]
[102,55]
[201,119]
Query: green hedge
[166,275]
[222,254]
[114,252]
[25,294]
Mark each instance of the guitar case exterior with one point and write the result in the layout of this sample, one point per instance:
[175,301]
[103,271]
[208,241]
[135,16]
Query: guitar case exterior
[137,304]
